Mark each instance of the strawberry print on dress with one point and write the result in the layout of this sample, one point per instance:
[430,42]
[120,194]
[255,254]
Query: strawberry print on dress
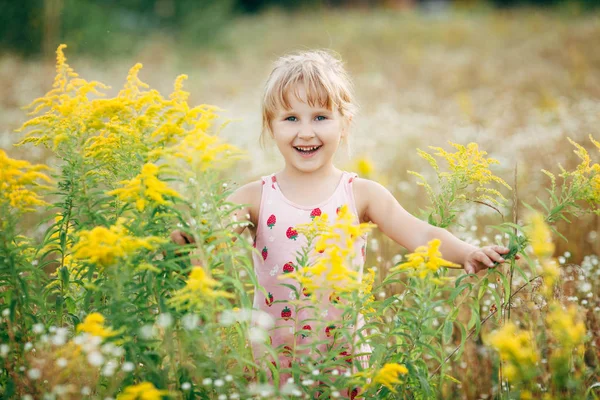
[278,244]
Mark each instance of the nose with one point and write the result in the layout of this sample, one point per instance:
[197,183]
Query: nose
[306,131]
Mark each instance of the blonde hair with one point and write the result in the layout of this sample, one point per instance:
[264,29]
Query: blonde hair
[325,81]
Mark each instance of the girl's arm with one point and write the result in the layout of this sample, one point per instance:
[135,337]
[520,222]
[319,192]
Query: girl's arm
[380,207]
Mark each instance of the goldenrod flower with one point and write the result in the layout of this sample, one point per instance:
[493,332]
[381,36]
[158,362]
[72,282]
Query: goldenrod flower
[19,183]
[203,151]
[365,289]
[565,326]
[335,241]
[94,325]
[198,289]
[515,347]
[142,391]
[104,246]
[425,260]
[540,236]
[144,189]
[468,165]
[388,376]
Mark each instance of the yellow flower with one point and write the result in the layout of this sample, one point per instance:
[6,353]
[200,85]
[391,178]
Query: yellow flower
[515,347]
[19,183]
[94,325]
[468,166]
[365,289]
[198,289]
[364,167]
[144,189]
[335,241]
[388,376]
[540,236]
[104,246]
[142,391]
[565,327]
[203,151]
[425,260]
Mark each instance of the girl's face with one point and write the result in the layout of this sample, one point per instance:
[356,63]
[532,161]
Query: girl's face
[307,136]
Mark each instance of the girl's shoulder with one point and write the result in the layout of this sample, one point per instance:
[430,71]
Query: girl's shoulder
[248,195]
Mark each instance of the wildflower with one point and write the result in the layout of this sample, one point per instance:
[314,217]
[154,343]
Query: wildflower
[145,189]
[388,376]
[564,326]
[365,291]
[94,325]
[104,246]
[198,289]
[142,391]
[19,183]
[66,107]
[203,151]
[364,167]
[468,169]
[540,236]
[336,243]
[425,260]
[515,347]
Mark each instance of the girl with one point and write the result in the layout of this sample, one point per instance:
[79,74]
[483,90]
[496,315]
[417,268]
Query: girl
[307,108]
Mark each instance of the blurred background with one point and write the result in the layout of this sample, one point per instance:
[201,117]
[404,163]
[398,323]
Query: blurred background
[517,77]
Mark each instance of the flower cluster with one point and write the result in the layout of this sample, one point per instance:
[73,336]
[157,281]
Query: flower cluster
[516,347]
[104,246]
[144,189]
[199,288]
[94,325]
[335,243]
[19,183]
[425,260]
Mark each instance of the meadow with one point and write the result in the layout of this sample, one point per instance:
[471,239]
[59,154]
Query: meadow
[96,301]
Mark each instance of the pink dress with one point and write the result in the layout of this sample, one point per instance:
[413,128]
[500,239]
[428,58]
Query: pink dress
[277,244]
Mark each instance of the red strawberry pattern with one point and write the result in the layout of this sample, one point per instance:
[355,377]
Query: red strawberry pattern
[273,180]
[306,328]
[286,313]
[287,351]
[329,329]
[315,213]
[288,267]
[291,233]
[337,210]
[348,355]
[363,252]
[353,393]
[265,253]
[269,299]
[271,221]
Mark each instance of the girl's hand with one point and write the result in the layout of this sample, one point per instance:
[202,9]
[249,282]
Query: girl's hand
[182,238]
[484,257]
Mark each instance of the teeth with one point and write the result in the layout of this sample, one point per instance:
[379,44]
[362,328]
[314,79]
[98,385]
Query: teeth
[307,148]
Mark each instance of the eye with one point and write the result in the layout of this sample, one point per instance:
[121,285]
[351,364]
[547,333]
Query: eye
[321,116]
[291,120]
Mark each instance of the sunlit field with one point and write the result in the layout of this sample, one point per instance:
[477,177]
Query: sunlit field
[486,123]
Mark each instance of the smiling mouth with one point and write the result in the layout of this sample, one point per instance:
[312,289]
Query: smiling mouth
[307,149]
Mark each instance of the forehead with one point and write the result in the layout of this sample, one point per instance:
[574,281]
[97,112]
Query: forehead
[312,95]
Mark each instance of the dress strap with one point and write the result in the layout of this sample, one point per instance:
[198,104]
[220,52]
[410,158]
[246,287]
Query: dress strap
[348,190]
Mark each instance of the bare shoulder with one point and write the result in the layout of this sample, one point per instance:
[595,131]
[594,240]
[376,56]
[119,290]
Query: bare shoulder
[364,190]
[248,195]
